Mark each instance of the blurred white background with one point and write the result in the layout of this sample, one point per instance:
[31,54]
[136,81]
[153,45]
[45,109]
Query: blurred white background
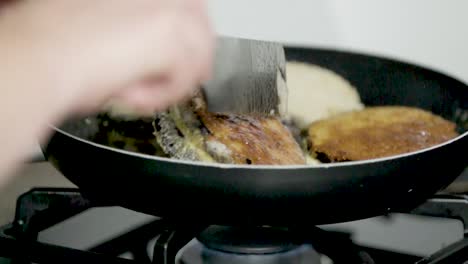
[432,33]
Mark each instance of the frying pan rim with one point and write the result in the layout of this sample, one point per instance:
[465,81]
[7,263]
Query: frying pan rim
[260,167]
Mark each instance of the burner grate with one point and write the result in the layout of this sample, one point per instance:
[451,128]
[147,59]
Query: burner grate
[40,209]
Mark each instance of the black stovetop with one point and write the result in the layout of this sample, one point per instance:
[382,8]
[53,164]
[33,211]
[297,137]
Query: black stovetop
[39,209]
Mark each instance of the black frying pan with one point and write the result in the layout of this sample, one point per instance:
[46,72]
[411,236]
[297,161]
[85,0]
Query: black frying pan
[224,194]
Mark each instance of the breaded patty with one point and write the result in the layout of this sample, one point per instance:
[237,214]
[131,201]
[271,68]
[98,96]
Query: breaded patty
[248,139]
[377,132]
[191,132]
[331,94]
[253,140]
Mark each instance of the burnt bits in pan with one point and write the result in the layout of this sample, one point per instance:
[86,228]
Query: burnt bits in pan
[134,135]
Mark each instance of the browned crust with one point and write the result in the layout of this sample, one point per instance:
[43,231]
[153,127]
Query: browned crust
[251,139]
[377,132]
[254,140]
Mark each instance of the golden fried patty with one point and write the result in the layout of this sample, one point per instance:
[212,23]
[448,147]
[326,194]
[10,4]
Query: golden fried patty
[377,132]
[191,132]
[253,140]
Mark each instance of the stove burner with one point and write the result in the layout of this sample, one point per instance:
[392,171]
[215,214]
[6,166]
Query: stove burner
[247,240]
[39,209]
[246,245]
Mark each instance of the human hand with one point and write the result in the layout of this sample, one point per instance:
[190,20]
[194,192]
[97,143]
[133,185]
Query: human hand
[145,54]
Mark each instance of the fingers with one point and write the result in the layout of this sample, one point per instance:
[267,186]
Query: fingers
[192,40]
[149,97]
[188,57]
[159,93]
[146,98]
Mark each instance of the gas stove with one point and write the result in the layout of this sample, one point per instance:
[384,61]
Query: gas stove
[179,241]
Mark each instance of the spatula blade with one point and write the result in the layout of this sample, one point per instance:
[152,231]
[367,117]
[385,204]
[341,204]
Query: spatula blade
[249,77]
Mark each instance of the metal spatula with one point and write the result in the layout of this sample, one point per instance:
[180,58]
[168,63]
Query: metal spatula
[249,77]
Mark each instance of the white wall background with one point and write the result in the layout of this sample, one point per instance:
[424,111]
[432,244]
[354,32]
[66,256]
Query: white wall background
[433,33]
